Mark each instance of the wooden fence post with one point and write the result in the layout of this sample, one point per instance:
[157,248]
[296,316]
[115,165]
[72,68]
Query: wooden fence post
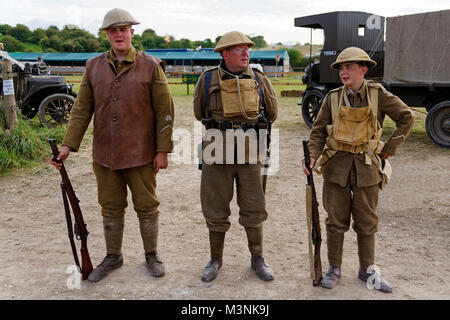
[10,107]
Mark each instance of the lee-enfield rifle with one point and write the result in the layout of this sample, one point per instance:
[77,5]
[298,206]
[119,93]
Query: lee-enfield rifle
[81,232]
[268,127]
[313,222]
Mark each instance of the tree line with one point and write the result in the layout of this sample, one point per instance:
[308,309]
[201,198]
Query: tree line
[73,39]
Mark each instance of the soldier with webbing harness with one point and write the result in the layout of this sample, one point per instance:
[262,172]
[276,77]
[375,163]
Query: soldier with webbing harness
[346,147]
[232,100]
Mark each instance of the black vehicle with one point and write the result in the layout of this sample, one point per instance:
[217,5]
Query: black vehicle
[36,92]
[413,63]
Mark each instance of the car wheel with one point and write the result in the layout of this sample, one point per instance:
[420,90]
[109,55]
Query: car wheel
[311,102]
[437,124]
[55,109]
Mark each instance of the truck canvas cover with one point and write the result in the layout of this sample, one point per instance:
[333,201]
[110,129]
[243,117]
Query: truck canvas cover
[418,49]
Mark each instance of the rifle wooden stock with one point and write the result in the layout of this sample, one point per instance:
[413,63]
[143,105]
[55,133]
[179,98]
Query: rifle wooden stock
[80,227]
[313,222]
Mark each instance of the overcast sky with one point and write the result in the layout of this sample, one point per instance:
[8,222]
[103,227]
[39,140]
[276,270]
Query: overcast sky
[201,19]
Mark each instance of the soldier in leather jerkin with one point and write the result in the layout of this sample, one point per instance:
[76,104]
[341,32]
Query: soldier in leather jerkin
[234,99]
[345,145]
[127,93]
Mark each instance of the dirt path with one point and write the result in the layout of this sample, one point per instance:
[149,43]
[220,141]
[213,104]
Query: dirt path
[412,242]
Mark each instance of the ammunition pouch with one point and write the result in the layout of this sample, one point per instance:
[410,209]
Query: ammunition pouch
[239,98]
[354,126]
[354,130]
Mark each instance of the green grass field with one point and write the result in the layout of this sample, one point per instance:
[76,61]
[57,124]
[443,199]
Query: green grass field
[295,83]
[180,90]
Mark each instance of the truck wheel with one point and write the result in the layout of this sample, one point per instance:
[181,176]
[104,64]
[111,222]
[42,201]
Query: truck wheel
[437,124]
[311,102]
[55,109]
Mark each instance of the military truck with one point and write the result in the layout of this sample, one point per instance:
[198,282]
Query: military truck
[412,63]
[37,92]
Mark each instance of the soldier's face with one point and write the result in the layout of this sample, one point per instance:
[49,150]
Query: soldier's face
[120,38]
[236,58]
[352,74]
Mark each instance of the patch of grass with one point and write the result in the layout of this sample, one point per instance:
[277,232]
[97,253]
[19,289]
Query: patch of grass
[75,80]
[419,124]
[181,89]
[25,145]
[31,47]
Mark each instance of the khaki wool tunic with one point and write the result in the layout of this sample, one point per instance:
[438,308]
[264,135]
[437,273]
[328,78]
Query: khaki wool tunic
[337,169]
[268,96]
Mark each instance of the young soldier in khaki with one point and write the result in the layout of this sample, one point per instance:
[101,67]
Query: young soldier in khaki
[217,181]
[350,171]
[128,92]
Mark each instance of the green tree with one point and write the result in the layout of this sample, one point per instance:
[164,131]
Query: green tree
[259,41]
[137,44]
[52,31]
[80,44]
[72,32]
[295,57]
[20,32]
[93,45]
[160,43]
[54,42]
[207,43]
[68,46]
[148,43]
[12,45]
[149,33]
[37,35]
[44,43]
[103,42]
[186,43]
[5,28]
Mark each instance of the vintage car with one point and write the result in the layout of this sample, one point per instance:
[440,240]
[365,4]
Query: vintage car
[37,92]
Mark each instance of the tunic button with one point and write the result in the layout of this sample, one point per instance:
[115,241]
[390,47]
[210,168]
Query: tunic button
[114,119]
[116,80]
[114,99]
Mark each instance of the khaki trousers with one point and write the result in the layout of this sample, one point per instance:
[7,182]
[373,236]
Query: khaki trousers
[342,203]
[112,190]
[216,193]
[112,197]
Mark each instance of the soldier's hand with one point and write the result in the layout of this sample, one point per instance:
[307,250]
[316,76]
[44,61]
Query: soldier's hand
[384,155]
[160,161]
[305,171]
[64,152]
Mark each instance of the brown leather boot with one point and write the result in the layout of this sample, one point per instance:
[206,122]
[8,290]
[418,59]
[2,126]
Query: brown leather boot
[212,269]
[154,264]
[374,280]
[109,263]
[263,271]
[331,278]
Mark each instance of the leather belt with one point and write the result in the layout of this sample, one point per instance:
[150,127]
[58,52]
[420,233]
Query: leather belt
[227,125]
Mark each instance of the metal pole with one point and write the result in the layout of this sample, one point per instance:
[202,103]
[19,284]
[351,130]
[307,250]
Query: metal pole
[9,97]
[310,47]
